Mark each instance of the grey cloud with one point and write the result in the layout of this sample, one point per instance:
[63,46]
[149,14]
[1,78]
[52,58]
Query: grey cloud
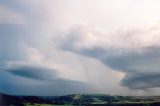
[26,9]
[11,43]
[141,80]
[143,67]
[123,51]
[53,88]
[130,60]
[145,61]
[32,71]
[15,41]
[24,79]
[21,86]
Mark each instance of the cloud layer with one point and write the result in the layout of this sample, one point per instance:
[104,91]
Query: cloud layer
[72,47]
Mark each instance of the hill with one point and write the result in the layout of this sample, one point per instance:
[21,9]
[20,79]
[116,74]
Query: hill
[79,100]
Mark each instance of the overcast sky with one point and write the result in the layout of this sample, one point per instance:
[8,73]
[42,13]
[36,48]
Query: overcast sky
[59,47]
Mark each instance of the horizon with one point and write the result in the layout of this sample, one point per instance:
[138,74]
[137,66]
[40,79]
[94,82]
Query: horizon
[83,46]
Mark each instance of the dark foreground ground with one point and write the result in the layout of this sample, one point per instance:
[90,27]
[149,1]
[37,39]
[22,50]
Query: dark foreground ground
[79,100]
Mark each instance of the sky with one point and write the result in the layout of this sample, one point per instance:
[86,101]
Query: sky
[60,47]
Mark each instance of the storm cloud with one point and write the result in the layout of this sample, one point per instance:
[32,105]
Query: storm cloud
[134,52]
[74,47]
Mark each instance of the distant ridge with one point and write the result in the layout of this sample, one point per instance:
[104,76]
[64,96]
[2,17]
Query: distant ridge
[4,100]
[7,100]
[80,100]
